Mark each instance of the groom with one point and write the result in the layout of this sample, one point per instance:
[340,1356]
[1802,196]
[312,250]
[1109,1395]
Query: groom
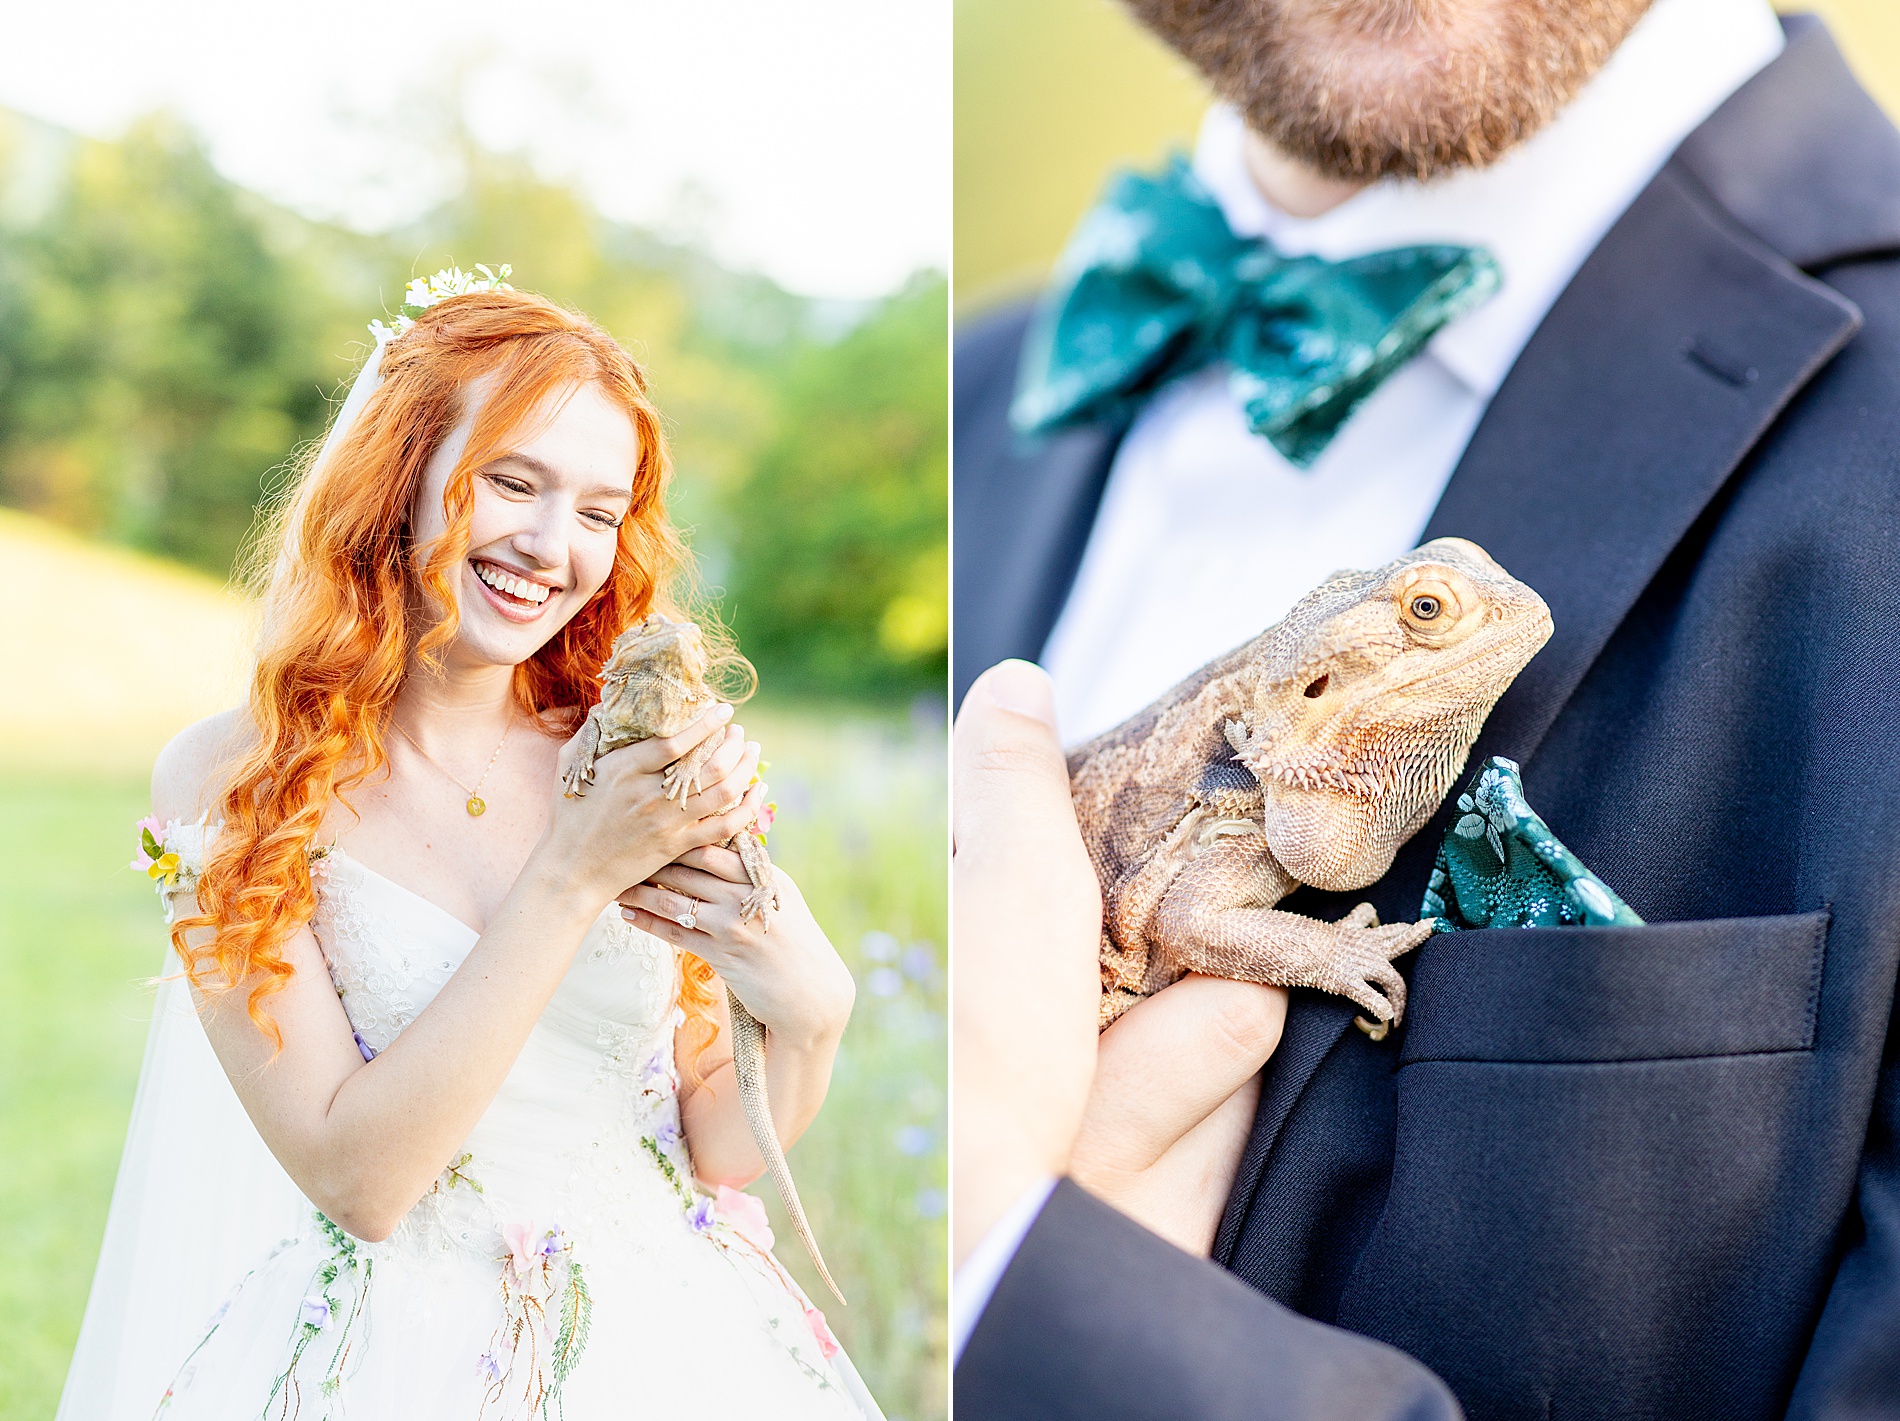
[1600,1172]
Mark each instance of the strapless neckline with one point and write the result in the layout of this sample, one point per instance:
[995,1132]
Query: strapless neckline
[337,851]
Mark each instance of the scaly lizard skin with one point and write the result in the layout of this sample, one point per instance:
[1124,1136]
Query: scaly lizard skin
[654,685]
[1308,755]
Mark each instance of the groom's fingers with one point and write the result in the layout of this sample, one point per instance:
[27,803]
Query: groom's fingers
[1170,1062]
[1027,927]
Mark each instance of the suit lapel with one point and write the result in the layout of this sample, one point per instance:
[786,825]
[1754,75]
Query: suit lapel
[1665,360]
[1023,510]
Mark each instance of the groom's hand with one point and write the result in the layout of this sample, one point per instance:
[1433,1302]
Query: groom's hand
[1176,1082]
[1028,927]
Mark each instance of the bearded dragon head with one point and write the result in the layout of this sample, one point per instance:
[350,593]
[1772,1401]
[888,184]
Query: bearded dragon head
[660,646]
[654,682]
[1372,691]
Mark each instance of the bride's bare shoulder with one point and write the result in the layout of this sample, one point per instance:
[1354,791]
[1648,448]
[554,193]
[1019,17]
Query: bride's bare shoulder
[188,774]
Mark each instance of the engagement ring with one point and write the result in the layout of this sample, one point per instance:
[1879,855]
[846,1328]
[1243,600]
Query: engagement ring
[690,917]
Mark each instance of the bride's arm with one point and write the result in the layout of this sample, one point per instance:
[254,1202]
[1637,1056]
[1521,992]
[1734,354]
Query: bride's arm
[790,978]
[365,1140]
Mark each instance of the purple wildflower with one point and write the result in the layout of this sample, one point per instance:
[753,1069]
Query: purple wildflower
[316,1311]
[657,1073]
[700,1217]
[363,1046]
[553,1243]
[487,1369]
[666,1134]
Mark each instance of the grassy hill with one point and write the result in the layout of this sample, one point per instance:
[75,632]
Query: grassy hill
[114,654]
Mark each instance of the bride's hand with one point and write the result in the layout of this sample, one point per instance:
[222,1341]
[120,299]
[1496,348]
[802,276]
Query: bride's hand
[790,978]
[623,827]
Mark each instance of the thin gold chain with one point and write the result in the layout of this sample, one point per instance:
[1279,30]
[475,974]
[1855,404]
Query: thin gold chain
[476,805]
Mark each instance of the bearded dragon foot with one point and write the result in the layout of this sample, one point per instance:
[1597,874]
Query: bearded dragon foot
[579,775]
[580,769]
[756,904]
[1361,969]
[682,777]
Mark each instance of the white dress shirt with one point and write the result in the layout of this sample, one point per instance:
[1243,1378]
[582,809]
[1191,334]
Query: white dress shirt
[1206,535]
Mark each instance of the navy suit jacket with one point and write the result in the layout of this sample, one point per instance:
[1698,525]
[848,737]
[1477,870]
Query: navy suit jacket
[1600,1172]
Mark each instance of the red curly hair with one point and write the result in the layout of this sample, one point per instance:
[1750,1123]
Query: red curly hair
[354,601]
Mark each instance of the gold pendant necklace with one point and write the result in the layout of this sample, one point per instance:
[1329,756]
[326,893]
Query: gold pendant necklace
[476,806]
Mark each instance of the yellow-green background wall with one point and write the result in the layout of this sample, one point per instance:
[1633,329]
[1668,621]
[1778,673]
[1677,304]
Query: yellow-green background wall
[1052,93]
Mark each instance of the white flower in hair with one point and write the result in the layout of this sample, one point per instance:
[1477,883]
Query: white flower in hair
[425,292]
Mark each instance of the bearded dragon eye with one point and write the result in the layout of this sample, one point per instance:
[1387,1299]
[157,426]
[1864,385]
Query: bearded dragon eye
[1425,608]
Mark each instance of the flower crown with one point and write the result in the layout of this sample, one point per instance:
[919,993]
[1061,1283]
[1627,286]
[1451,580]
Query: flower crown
[424,292]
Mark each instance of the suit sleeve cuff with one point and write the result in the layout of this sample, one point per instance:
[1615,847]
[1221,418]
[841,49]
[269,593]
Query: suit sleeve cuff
[976,1280]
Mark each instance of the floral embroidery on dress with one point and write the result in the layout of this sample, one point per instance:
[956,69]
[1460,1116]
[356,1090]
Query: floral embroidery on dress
[453,1217]
[619,1050]
[322,1311]
[736,1223]
[615,941]
[379,979]
[546,1314]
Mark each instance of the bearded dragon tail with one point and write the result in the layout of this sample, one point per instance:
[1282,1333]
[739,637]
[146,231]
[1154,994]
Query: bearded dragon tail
[748,1064]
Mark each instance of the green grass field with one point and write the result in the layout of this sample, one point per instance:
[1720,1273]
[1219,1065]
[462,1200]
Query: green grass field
[862,828]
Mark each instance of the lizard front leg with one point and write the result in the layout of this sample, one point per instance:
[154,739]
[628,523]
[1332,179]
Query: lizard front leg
[682,776]
[1211,922]
[758,868]
[586,750]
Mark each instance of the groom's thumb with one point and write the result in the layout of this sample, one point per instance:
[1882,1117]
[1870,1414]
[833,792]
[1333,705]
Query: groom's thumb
[1012,782]
[1028,921]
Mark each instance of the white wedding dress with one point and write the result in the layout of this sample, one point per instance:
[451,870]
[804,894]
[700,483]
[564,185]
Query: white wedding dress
[566,1264]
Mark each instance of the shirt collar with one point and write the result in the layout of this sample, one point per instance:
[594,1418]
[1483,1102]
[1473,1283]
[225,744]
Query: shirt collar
[1543,207]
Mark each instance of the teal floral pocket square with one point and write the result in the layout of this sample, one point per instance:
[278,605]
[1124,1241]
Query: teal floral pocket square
[1501,867]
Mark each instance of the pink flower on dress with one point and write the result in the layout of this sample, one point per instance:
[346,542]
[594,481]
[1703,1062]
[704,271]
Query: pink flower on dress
[524,1242]
[763,824]
[744,1214]
[827,1344]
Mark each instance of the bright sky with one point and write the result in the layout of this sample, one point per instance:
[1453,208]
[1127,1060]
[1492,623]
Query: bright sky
[809,139]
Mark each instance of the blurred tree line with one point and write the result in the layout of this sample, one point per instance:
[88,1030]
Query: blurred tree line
[168,340]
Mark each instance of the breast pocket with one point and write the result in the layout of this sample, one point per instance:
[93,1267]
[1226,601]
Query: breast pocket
[1599,1146]
[1663,991]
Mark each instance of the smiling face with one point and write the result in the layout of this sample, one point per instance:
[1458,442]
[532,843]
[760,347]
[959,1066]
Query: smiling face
[543,524]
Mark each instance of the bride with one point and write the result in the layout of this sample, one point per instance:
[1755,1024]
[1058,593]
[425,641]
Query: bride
[494,1080]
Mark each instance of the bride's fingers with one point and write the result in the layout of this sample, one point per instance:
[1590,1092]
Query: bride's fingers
[652,756]
[666,905]
[692,939]
[704,886]
[725,760]
[716,860]
[721,827]
[722,795]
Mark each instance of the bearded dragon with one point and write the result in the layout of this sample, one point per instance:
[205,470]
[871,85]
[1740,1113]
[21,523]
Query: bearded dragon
[654,685]
[1307,755]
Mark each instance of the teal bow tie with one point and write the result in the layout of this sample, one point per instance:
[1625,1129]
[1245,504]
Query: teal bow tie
[1155,285]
